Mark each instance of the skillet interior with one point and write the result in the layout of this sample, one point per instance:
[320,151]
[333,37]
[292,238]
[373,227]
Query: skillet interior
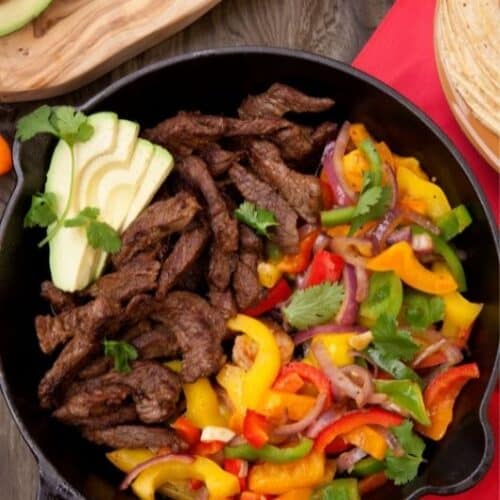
[216,82]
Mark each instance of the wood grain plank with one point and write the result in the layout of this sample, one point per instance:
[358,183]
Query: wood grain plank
[335,28]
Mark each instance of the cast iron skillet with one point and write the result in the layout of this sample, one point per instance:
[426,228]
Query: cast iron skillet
[216,81]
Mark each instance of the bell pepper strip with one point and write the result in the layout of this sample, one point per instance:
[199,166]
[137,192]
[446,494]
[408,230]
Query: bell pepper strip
[340,230]
[297,263]
[251,495]
[459,316]
[268,274]
[371,483]
[369,440]
[311,374]
[337,446]
[230,378]
[261,375]
[385,296]
[440,396]
[327,197]
[325,267]
[255,429]
[454,222]
[410,163]
[273,252]
[401,259]
[298,494]
[435,200]
[354,166]
[270,453]
[337,216]
[406,202]
[394,367]
[187,430]
[338,347]
[338,489]
[276,295]
[5,156]
[350,421]
[207,449]
[219,483]
[289,382]
[202,405]
[195,484]
[239,468]
[276,405]
[407,395]
[174,364]
[358,133]
[368,466]
[276,479]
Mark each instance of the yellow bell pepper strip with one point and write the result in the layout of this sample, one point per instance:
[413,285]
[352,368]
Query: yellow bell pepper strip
[369,440]
[401,259]
[202,405]
[219,483]
[231,379]
[298,494]
[355,165]
[276,479]
[339,489]
[175,365]
[338,347]
[440,396]
[295,264]
[358,133]
[261,375]
[436,202]
[410,163]
[268,273]
[459,316]
[277,404]
[407,395]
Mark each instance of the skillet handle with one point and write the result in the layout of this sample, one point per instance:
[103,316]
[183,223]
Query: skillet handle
[51,486]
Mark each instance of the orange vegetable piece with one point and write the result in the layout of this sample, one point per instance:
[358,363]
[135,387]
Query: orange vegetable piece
[5,156]
[371,483]
[300,494]
[289,382]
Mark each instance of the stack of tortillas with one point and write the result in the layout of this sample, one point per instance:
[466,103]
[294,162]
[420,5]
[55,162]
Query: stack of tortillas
[467,42]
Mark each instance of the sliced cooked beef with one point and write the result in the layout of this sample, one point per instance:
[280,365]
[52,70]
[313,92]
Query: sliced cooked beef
[138,276]
[219,160]
[295,142]
[116,416]
[220,267]
[323,134]
[249,241]
[280,99]
[224,227]
[155,223]
[95,368]
[301,191]
[136,436]
[185,252]
[223,302]
[263,195]
[199,329]
[193,279]
[59,300]
[157,343]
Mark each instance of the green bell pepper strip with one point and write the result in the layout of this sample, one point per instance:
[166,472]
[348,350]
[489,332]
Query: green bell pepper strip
[385,296]
[368,466]
[421,310]
[454,222]
[270,453]
[393,366]
[407,395]
[367,147]
[339,489]
[337,216]
[442,248]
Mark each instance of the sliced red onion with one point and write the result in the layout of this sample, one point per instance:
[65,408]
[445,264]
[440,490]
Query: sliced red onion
[320,243]
[323,421]
[422,243]
[362,283]
[402,234]
[311,416]
[202,493]
[391,440]
[452,353]
[363,379]
[385,227]
[352,249]
[393,184]
[304,335]
[430,349]
[348,311]
[421,221]
[129,478]
[361,355]
[347,460]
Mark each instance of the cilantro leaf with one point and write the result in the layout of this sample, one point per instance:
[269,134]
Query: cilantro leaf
[367,200]
[102,235]
[42,212]
[84,217]
[36,122]
[422,310]
[403,469]
[258,219]
[121,352]
[392,365]
[391,341]
[377,210]
[314,305]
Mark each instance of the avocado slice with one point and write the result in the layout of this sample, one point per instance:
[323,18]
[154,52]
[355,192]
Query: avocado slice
[14,14]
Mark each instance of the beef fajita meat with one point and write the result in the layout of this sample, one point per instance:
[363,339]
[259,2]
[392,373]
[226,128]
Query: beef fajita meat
[301,191]
[220,267]
[155,223]
[186,251]
[136,436]
[60,301]
[199,329]
[223,302]
[323,134]
[224,227]
[256,191]
[280,99]
[219,160]
[115,416]
[159,342]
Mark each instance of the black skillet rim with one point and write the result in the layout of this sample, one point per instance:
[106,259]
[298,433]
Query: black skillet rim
[47,472]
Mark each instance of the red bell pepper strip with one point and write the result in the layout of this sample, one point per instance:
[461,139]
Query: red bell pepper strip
[327,196]
[195,484]
[295,264]
[440,396]
[207,449]
[325,266]
[311,374]
[289,382]
[350,421]
[187,430]
[338,445]
[279,293]
[255,429]
[239,468]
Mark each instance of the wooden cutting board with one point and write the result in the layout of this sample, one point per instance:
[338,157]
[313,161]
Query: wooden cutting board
[75,41]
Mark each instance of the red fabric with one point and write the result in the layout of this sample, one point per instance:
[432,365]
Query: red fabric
[401,53]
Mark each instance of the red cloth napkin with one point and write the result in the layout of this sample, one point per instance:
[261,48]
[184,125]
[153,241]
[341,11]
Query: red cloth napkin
[401,54]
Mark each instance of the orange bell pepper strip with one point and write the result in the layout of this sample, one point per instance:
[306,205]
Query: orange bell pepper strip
[358,133]
[369,440]
[5,156]
[401,259]
[298,263]
[277,404]
[299,494]
[255,429]
[289,382]
[353,420]
[371,483]
[440,396]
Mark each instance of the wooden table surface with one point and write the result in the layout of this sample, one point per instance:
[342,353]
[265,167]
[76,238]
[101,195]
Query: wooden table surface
[334,28]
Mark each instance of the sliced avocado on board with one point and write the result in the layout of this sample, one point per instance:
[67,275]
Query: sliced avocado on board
[14,14]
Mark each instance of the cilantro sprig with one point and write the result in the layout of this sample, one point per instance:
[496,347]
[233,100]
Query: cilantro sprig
[43,210]
[258,219]
[122,353]
[314,305]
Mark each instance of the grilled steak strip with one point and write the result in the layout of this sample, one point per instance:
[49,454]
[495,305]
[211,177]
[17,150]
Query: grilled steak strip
[263,195]
[157,343]
[115,416]
[220,267]
[60,301]
[223,302]
[155,223]
[219,160]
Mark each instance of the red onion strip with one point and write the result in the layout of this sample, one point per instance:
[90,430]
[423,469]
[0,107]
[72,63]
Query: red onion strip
[403,234]
[348,311]
[311,416]
[431,349]
[324,420]
[338,158]
[362,283]
[392,182]
[347,460]
[421,221]
[385,227]
[345,245]
[304,335]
